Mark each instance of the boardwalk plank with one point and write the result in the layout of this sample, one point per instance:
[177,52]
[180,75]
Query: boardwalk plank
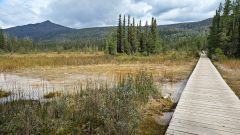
[207,105]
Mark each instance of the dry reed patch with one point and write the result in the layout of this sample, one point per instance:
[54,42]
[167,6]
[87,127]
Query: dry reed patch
[11,62]
[154,109]
[106,72]
[230,70]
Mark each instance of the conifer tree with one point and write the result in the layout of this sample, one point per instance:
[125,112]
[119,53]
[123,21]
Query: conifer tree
[2,41]
[140,37]
[134,43]
[127,38]
[111,44]
[119,35]
[225,30]
[145,39]
[124,37]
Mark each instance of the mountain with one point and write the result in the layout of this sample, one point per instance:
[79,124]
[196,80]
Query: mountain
[51,32]
[40,31]
[191,25]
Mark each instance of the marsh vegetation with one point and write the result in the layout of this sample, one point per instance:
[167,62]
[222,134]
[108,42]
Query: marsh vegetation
[90,93]
[230,70]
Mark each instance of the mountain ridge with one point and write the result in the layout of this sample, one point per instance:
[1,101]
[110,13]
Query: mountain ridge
[52,32]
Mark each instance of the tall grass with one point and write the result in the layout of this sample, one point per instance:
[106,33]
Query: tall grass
[11,62]
[230,70]
[96,110]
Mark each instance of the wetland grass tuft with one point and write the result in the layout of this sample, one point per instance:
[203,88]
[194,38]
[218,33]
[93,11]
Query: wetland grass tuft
[4,93]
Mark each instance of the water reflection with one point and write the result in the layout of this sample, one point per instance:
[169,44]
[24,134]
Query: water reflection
[23,87]
[173,90]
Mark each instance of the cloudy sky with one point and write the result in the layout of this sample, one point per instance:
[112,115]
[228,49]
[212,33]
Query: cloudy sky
[92,13]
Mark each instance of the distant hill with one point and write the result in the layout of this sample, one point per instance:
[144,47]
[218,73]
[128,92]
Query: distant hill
[51,32]
[191,25]
[39,31]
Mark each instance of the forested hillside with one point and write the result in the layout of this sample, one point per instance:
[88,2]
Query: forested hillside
[49,36]
[48,31]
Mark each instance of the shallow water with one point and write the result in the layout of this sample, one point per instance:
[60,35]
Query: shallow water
[164,119]
[23,87]
[173,90]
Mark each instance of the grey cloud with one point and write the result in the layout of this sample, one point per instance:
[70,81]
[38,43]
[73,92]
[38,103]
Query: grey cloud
[83,13]
[92,13]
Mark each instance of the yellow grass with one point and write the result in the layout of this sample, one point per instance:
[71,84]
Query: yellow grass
[230,70]
[10,62]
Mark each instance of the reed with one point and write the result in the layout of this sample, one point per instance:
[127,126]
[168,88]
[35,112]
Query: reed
[10,62]
[94,110]
[230,70]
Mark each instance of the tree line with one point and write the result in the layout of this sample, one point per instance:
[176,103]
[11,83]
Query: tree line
[25,45]
[224,36]
[13,44]
[130,38]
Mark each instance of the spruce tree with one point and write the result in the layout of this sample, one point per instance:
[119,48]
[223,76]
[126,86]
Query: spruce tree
[146,39]
[152,37]
[111,44]
[119,35]
[2,41]
[127,38]
[140,37]
[134,42]
[124,37]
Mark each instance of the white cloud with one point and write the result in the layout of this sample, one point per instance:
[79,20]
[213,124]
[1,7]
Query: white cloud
[86,13]
[20,12]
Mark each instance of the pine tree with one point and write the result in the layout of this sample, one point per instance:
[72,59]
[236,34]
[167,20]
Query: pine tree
[2,41]
[119,35]
[111,44]
[157,38]
[140,37]
[124,37]
[152,37]
[225,29]
[227,8]
[145,46]
[127,38]
[213,40]
[134,42]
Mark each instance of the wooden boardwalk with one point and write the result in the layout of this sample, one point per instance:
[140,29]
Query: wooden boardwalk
[207,105]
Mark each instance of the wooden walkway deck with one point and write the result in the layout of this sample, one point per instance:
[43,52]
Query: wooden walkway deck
[207,105]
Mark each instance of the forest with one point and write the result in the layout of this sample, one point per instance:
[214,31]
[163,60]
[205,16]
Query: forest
[134,38]
[224,37]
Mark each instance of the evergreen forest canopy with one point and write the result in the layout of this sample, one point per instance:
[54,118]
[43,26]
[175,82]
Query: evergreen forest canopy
[131,38]
[224,36]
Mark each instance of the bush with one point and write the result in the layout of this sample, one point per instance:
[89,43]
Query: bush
[218,54]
